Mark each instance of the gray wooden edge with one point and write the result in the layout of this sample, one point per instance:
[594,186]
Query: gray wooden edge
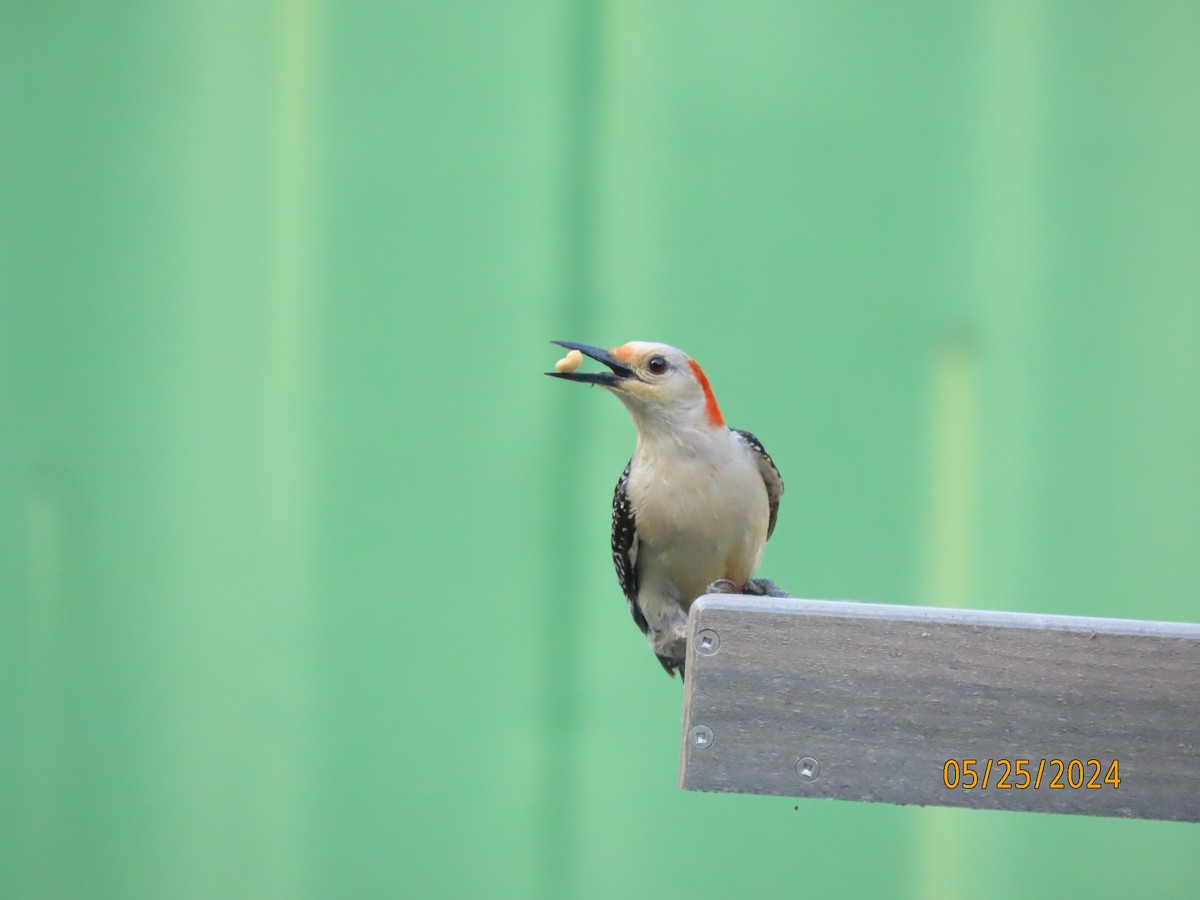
[908,704]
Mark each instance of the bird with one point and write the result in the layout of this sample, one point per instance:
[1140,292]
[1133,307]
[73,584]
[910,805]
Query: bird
[697,502]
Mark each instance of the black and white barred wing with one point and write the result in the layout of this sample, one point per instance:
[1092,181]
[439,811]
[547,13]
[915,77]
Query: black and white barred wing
[771,477]
[625,548]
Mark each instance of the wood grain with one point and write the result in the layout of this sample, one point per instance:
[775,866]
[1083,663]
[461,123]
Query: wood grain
[882,696]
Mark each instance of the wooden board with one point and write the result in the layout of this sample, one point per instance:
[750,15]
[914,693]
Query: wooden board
[863,701]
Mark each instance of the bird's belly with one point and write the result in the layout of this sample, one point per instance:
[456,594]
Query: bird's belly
[713,529]
[688,566]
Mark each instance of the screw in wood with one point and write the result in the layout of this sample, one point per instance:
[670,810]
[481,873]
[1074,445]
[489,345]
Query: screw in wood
[808,768]
[700,736]
[708,642]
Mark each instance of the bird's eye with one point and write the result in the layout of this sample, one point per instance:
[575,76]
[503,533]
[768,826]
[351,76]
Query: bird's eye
[657,365]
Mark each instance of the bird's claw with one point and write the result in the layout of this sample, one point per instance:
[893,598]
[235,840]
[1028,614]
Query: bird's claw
[764,587]
[722,586]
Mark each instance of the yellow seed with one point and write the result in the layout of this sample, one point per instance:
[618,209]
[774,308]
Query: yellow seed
[570,362]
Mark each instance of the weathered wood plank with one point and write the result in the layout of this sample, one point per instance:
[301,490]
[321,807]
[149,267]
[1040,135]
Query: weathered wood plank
[878,698]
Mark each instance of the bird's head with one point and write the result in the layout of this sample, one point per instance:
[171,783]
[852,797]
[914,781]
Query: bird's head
[663,388]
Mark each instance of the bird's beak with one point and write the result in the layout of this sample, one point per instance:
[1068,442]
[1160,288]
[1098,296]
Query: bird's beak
[620,372]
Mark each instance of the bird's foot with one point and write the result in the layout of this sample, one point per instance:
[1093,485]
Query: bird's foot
[764,587]
[722,586]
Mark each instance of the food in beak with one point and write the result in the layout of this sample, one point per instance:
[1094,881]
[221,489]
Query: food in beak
[570,362]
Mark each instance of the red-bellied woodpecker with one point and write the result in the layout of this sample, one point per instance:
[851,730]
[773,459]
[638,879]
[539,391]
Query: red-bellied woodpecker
[697,502]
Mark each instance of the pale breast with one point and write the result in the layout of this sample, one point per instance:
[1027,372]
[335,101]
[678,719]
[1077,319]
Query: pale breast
[700,518]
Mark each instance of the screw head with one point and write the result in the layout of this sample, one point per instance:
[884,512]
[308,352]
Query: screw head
[700,736]
[708,642]
[808,768]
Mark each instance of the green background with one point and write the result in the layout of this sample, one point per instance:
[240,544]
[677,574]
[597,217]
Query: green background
[305,587]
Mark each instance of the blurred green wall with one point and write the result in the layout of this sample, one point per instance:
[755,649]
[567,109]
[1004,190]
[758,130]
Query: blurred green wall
[304,579]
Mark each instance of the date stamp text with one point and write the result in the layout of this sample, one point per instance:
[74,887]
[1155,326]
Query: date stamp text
[1023,774]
